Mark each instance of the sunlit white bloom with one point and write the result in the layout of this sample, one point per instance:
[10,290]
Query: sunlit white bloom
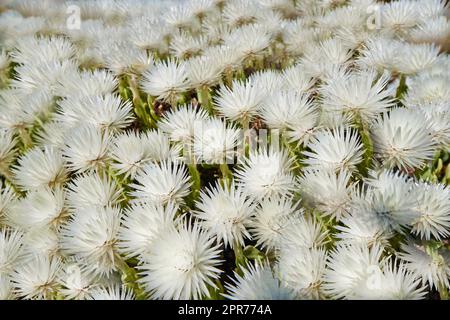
[257,283]
[146,33]
[40,167]
[351,267]
[361,95]
[91,235]
[41,207]
[35,50]
[184,46]
[131,151]
[165,80]
[327,191]
[92,189]
[123,57]
[435,30]
[86,148]
[227,213]
[106,112]
[401,139]
[237,13]
[113,292]
[161,183]
[181,264]
[203,71]
[380,53]
[288,109]
[399,17]
[433,268]
[225,57]
[414,58]
[433,206]
[180,124]
[52,134]
[215,141]
[303,232]
[178,16]
[141,225]
[296,78]
[37,278]
[266,172]
[272,217]
[335,149]
[302,270]
[88,83]
[428,89]
[249,40]
[240,102]
[389,202]
[267,81]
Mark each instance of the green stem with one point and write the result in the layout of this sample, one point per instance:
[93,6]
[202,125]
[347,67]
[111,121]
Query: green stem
[227,175]
[25,138]
[402,87]
[196,181]
[368,146]
[443,292]
[130,278]
[204,97]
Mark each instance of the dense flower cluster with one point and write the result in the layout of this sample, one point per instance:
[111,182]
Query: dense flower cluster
[237,149]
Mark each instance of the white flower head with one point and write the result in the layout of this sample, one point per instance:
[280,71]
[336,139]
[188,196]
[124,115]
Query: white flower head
[181,263]
[93,189]
[433,206]
[141,225]
[401,139]
[241,102]
[266,172]
[112,292]
[91,235]
[86,148]
[336,149]
[215,141]
[11,249]
[258,282]
[165,80]
[226,212]
[161,183]
[40,167]
[37,278]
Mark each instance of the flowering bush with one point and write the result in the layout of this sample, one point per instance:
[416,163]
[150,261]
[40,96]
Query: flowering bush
[224,149]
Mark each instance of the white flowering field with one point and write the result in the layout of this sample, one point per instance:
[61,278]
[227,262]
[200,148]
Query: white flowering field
[224,149]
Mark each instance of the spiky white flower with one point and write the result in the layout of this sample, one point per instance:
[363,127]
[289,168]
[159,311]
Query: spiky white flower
[336,149]
[6,288]
[350,268]
[131,151]
[399,17]
[161,183]
[249,40]
[40,167]
[240,102]
[35,50]
[284,108]
[7,149]
[181,264]
[141,225]
[433,268]
[266,172]
[124,58]
[302,270]
[226,212]
[257,283]
[327,191]
[272,217]
[165,80]
[296,78]
[184,46]
[401,139]
[203,72]
[88,83]
[415,58]
[37,278]
[433,206]
[93,189]
[7,197]
[86,148]
[43,241]
[180,124]
[303,232]
[105,112]
[41,207]
[91,235]
[361,95]
[215,141]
